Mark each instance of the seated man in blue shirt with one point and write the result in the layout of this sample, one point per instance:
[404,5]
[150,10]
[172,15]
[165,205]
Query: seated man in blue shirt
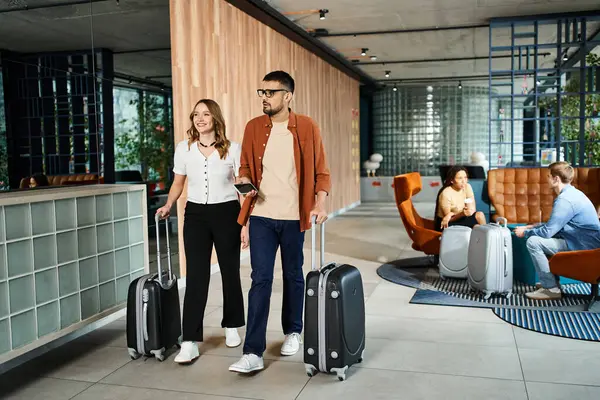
[573,225]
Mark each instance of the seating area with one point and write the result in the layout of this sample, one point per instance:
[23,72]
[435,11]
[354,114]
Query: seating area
[521,196]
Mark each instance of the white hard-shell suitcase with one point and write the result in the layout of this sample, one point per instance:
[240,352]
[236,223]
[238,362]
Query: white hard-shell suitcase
[490,266]
[454,252]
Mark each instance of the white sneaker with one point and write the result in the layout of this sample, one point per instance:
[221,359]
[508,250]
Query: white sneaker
[232,338]
[291,344]
[188,353]
[247,364]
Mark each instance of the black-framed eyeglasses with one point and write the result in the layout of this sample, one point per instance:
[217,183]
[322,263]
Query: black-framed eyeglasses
[269,92]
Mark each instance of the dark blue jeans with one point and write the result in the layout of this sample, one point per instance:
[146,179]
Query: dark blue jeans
[266,236]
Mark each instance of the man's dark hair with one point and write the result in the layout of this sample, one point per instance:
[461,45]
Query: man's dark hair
[282,77]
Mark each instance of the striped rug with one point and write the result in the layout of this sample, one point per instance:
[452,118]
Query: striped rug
[461,289]
[565,317]
[574,325]
[431,289]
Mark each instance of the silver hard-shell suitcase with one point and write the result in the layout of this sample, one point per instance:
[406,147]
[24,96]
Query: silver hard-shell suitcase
[490,268]
[454,252]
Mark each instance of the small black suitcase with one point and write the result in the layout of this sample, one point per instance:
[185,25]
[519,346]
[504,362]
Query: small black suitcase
[334,315]
[153,312]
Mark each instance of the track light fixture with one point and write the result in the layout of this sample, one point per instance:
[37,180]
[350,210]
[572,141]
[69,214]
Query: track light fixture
[322,12]
[387,74]
[566,57]
[373,58]
[364,51]
[395,88]
[459,84]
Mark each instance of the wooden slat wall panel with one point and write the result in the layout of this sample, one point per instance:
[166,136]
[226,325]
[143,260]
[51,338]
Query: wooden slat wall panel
[219,52]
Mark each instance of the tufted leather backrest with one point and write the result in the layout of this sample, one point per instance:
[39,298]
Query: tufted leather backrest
[522,195]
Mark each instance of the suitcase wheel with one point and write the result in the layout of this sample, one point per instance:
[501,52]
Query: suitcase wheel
[159,354]
[341,373]
[362,354]
[133,354]
[310,370]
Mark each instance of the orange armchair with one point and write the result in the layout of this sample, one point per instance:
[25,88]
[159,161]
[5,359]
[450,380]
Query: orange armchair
[421,230]
[582,265]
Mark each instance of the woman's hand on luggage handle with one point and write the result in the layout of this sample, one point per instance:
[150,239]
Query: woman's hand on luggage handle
[164,211]
[245,237]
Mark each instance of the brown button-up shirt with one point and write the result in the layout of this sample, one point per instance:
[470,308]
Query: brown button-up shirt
[309,155]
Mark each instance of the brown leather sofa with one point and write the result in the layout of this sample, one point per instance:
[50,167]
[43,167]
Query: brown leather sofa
[521,195]
[61,180]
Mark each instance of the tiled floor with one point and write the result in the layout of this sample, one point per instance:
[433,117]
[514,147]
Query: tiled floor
[412,351]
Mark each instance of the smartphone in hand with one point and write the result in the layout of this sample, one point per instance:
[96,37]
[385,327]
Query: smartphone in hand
[245,188]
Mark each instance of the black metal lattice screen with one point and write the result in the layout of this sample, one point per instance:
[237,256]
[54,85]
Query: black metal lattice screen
[55,107]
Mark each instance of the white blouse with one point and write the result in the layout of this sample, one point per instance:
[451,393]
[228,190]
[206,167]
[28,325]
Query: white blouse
[210,180]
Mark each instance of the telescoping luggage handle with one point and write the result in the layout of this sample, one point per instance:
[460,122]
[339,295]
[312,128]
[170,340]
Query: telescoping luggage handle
[157,220]
[502,219]
[498,221]
[313,246]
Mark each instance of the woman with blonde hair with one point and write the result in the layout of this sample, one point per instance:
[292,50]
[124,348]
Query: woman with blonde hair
[211,163]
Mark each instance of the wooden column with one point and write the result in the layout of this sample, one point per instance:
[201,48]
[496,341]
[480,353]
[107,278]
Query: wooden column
[221,53]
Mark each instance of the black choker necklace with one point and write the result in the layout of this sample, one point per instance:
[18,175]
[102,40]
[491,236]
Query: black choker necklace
[203,145]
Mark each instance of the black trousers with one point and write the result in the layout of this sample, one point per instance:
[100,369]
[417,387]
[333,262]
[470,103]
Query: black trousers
[206,225]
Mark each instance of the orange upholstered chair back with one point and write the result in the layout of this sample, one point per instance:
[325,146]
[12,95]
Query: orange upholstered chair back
[522,195]
[420,230]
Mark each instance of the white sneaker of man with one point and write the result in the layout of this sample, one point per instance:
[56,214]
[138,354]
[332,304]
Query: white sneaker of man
[545,294]
[232,337]
[291,344]
[188,353]
[248,363]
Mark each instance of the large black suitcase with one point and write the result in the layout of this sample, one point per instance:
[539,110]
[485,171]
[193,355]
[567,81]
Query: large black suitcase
[153,312]
[334,315]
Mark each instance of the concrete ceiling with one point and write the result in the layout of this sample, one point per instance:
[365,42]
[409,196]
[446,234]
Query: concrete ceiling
[347,16]
[132,26]
[125,28]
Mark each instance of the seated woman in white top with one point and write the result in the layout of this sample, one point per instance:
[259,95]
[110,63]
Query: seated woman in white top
[456,202]
[211,163]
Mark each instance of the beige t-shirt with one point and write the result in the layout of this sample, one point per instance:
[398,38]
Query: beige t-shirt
[279,184]
[454,201]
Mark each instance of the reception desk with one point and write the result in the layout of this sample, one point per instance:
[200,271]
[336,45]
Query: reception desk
[67,256]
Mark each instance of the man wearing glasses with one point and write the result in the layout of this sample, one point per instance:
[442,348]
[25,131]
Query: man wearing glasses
[283,156]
